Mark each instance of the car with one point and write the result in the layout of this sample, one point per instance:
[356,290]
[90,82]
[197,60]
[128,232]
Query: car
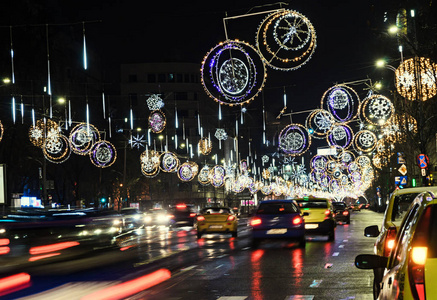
[320,218]
[409,271]
[216,220]
[395,210]
[132,217]
[341,212]
[277,219]
[356,206]
[181,215]
[156,217]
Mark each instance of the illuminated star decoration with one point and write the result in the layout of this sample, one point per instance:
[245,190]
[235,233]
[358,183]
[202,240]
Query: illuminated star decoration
[154,102]
[138,141]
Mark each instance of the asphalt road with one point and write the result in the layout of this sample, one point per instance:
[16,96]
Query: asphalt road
[175,265]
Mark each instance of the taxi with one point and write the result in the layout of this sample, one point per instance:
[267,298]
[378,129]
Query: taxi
[320,217]
[397,207]
[411,268]
[216,220]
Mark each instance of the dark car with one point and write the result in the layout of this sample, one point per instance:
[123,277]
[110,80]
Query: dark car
[181,215]
[156,217]
[277,219]
[132,217]
[341,212]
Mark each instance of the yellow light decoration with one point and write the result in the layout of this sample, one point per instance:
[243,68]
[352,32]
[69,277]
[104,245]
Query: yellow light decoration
[187,171]
[379,161]
[82,137]
[416,79]
[266,174]
[377,109]
[398,126]
[149,161]
[205,146]
[1,130]
[57,149]
[41,130]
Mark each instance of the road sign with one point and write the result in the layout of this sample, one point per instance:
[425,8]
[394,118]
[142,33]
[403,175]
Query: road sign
[422,161]
[403,170]
[403,180]
[401,158]
[397,179]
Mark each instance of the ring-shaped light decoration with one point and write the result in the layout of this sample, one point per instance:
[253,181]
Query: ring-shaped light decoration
[266,189]
[42,130]
[187,171]
[1,130]
[237,186]
[398,127]
[57,149]
[169,162]
[157,121]
[82,137]
[294,140]
[205,145]
[341,135]
[233,73]
[377,110]
[103,154]
[342,102]
[365,140]
[286,40]
[379,161]
[331,165]
[319,162]
[416,79]
[353,167]
[217,176]
[321,122]
[346,157]
[363,161]
[385,146]
[149,162]
[203,176]
[266,174]
[255,187]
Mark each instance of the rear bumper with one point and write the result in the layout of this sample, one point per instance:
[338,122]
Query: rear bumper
[291,233]
[217,227]
[324,227]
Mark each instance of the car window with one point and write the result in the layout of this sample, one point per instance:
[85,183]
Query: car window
[401,204]
[338,205]
[313,204]
[276,208]
[216,210]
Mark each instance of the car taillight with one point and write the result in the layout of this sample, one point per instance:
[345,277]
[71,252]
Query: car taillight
[327,214]
[345,213]
[231,218]
[297,220]
[255,221]
[171,216]
[390,240]
[192,215]
[200,218]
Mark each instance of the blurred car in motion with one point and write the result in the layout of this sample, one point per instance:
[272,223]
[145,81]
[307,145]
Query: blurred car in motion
[410,270]
[216,220]
[156,217]
[278,219]
[320,218]
[181,215]
[132,217]
[356,206]
[396,209]
[341,212]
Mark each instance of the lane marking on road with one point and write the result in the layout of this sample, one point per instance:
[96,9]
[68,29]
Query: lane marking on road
[188,268]
[316,283]
[219,266]
[345,241]
[335,253]
[341,246]
[300,297]
[232,298]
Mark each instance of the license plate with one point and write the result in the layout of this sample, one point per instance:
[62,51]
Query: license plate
[311,226]
[216,226]
[277,231]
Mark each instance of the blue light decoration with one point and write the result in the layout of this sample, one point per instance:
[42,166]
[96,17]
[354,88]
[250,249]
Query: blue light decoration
[320,122]
[341,136]
[294,140]
[233,73]
[342,102]
[103,154]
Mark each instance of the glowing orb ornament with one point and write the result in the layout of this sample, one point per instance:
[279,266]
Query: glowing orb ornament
[43,129]
[103,154]
[416,79]
[154,102]
[233,73]
[341,136]
[265,159]
[319,162]
[321,122]
[149,162]
[82,137]
[157,121]
[221,134]
[217,176]
[377,109]
[56,149]
[342,102]
[205,146]
[169,162]
[202,177]
[365,140]
[363,161]
[286,40]
[187,171]
[294,140]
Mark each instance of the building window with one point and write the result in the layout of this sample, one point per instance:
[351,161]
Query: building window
[151,78]
[161,77]
[171,77]
[133,78]
[193,78]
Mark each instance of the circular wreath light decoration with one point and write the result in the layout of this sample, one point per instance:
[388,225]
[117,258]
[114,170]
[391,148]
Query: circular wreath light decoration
[365,140]
[203,176]
[363,161]
[169,162]
[217,176]
[1,130]
[294,139]
[233,73]
[187,171]
[57,149]
[82,137]
[340,135]
[103,154]
[286,40]
[321,122]
[149,162]
[319,162]
[377,109]
[342,102]
[157,121]
[416,79]
[42,130]
[205,146]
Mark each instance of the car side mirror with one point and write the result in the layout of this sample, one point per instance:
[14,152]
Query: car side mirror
[371,231]
[370,261]
[305,214]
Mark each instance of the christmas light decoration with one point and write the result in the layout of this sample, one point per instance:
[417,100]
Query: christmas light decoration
[342,102]
[1,130]
[365,140]
[103,154]
[203,176]
[205,146]
[377,109]
[169,162]
[217,176]
[157,121]
[56,149]
[294,139]
[321,122]
[39,132]
[149,161]
[319,162]
[363,161]
[286,40]
[187,171]
[154,102]
[341,136]
[82,137]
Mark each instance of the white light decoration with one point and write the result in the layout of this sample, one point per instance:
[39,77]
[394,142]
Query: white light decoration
[320,121]
[365,140]
[187,171]
[103,154]
[82,138]
[203,176]
[138,141]
[157,121]
[342,102]
[39,132]
[169,162]
[149,161]
[377,109]
[294,139]
[154,102]
[56,149]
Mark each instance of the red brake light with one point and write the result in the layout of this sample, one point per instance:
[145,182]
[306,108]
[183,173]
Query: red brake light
[231,218]
[297,220]
[192,215]
[200,218]
[327,212]
[181,206]
[345,213]
[255,221]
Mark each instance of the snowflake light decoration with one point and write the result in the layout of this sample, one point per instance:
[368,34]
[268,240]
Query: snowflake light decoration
[217,176]
[319,162]
[138,141]
[377,109]
[154,102]
[157,121]
[221,134]
[365,140]
[342,102]
[363,161]
[57,149]
[202,177]
[294,139]
[82,138]
[265,159]
[340,135]
[38,133]
[103,154]
[149,161]
[320,121]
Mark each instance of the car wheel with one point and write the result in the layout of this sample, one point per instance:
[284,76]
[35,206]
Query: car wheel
[234,233]
[331,235]
[302,242]
[199,234]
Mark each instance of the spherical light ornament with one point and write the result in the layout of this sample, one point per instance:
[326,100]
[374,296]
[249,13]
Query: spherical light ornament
[342,102]
[379,161]
[340,135]
[187,171]
[154,102]
[169,162]
[221,134]
[265,159]
[57,149]
[365,140]
[286,40]
[266,189]
[157,121]
[103,154]
[294,140]
[1,130]
[43,129]
[205,146]
[321,122]
[149,163]
[319,162]
[203,176]
[82,137]
[233,73]
[363,161]
[416,79]
[346,157]
[377,109]
[217,176]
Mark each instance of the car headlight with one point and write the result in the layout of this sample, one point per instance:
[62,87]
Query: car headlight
[137,217]
[147,219]
[162,217]
[116,222]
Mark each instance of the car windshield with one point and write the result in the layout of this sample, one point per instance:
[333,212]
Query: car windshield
[277,208]
[216,210]
[338,205]
[400,206]
[313,203]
